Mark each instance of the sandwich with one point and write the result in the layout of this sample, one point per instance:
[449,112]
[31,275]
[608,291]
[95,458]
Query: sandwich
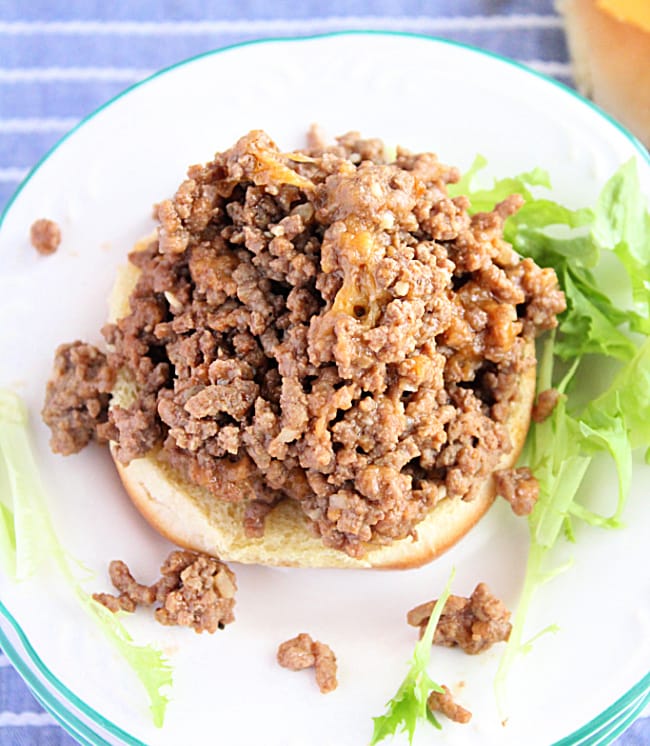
[321,358]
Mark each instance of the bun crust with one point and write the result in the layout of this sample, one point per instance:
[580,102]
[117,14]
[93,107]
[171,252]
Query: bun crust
[190,517]
[611,63]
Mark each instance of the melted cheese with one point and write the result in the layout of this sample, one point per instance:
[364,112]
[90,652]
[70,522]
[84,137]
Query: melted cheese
[359,296]
[635,12]
[270,165]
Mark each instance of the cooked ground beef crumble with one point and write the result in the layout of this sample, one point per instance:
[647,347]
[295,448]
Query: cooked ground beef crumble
[302,652]
[545,404]
[473,624]
[519,487]
[194,591]
[77,397]
[45,236]
[445,704]
[327,327]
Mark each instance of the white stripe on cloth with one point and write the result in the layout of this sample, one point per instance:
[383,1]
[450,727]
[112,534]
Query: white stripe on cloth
[12,175]
[45,74]
[4,661]
[282,25]
[33,124]
[23,719]
[549,67]
[128,74]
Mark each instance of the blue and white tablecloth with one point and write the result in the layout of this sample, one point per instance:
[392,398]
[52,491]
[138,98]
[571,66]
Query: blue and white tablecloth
[61,60]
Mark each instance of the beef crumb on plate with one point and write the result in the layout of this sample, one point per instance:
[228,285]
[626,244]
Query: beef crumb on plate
[445,704]
[474,624]
[302,652]
[45,236]
[194,591]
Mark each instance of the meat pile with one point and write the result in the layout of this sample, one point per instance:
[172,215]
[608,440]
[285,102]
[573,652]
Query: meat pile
[325,326]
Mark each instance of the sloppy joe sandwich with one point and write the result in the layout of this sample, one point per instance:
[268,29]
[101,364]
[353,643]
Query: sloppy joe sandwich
[319,359]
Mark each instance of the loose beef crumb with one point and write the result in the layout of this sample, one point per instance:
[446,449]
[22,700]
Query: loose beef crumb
[255,515]
[297,653]
[114,603]
[332,328]
[45,236]
[445,704]
[194,591]
[303,652]
[545,404]
[204,597]
[473,624]
[77,397]
[519,487]
[132,593]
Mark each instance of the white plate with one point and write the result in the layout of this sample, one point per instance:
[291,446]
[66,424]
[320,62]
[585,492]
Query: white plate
[99,185]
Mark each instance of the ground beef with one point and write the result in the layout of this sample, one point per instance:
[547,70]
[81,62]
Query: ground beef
[519,487]
[77,397]
[302,652]
[445,704]
[45,236]
[132,593]
[194,591]
[199,592]
[329,327]
[256,512]
[545,404]
[473,624]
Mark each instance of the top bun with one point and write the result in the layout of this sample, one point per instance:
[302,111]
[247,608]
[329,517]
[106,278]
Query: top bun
[611,58]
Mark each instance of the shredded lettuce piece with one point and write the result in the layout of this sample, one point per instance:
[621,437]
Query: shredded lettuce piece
[28,537]
[7,540]
[149,664]
[410,702]
[485,199]
[586,248]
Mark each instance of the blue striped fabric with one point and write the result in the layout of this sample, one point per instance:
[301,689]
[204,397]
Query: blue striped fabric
[61,60]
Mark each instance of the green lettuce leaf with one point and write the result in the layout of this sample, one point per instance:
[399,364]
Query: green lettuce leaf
[27,538]
[621,214]
[591,322]
[7,540]
[598,253]
[628,397]
[148,663]
[484,199]
[573,242]
[409,705]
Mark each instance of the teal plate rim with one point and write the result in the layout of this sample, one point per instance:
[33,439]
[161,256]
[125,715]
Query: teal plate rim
[607,725]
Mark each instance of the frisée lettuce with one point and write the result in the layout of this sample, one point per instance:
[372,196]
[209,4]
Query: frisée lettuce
[28,538]
[593,252]
[410,702]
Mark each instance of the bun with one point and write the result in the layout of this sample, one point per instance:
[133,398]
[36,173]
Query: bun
[611,59]
[190,517]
